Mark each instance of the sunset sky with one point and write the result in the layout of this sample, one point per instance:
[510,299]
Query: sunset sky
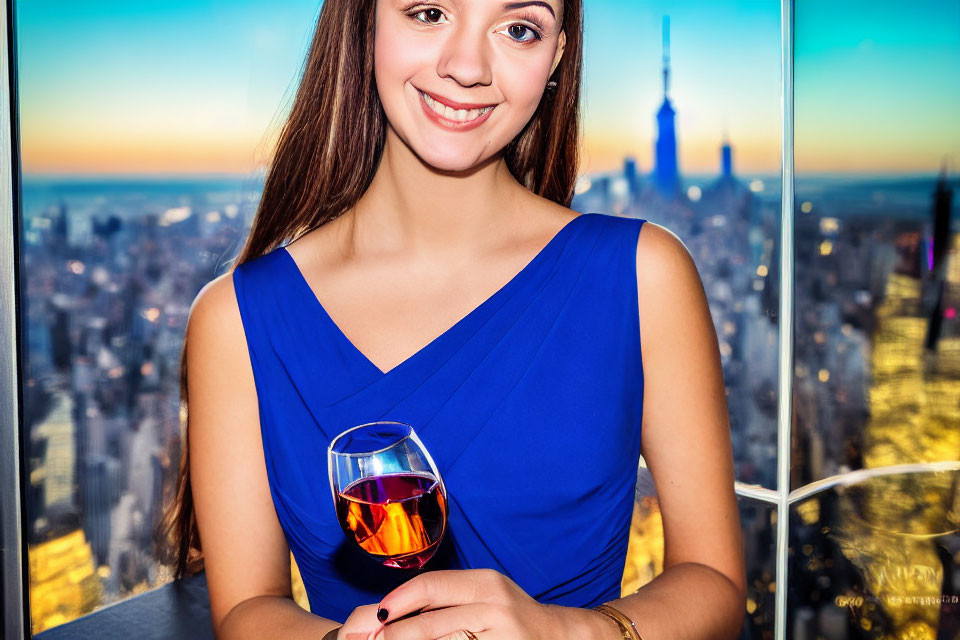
[189,87]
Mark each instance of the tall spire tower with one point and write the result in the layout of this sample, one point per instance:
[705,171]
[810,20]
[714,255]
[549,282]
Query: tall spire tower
[665,47]
[726,155]
[665,172]
[934,290]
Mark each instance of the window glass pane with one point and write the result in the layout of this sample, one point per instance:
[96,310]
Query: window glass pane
[758,524]
[876,559]
[142,126]
[687,135]
[877,373]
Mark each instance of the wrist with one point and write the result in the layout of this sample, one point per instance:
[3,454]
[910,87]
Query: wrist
[604,627]
[626,627]
[584,624]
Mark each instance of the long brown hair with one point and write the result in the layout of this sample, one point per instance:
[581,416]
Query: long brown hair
[326,157]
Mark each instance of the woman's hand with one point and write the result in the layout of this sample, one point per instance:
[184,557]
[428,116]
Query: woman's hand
[484,602]
[361,625]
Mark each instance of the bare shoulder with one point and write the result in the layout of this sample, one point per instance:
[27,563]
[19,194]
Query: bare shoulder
[671,297]
[216,344]
[215,341]
[215,306]
[216,347]
[663,261]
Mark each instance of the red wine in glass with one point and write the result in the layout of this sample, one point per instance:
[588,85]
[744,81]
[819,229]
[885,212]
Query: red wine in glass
[398,519]
[390,498]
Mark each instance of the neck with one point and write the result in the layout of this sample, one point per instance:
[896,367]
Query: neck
[413,208]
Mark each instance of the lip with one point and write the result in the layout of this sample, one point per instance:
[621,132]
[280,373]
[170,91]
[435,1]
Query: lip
[454,125]
[453,104]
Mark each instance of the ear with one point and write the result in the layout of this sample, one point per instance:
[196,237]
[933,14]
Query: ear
[561,43]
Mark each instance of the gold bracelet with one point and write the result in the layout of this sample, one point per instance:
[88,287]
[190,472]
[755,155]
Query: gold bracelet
[628,630]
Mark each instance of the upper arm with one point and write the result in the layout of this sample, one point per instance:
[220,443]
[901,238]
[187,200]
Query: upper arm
[245,552]
[686,429]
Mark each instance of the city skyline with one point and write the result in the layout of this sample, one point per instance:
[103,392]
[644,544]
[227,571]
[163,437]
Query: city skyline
[140,102]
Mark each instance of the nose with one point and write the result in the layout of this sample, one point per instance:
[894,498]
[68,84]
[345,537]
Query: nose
[464,57]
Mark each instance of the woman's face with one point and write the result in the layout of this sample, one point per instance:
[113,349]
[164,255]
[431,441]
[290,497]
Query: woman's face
[488,59]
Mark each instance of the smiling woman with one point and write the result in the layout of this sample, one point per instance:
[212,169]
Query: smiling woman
[484,63]
[414,258]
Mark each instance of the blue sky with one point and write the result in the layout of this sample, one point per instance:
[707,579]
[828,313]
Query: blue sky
[201,86]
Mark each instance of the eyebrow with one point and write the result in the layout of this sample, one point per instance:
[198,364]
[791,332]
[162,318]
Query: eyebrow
[519,5]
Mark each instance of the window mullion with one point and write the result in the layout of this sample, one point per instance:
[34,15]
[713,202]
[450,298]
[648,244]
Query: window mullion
[11,538]
[785,384]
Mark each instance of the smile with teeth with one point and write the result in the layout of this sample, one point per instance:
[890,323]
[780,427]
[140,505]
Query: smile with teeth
[460,115]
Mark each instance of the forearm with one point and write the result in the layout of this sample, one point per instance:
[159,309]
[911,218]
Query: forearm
[273,617]
[686,602]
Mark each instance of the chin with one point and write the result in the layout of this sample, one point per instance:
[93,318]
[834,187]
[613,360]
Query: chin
[445,155]
[453,160]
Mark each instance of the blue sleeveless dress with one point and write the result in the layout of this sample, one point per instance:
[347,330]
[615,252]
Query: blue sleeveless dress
[530,406]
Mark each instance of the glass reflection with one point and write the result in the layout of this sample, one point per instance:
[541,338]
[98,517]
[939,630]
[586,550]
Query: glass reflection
[758,523]
[877,372]
[877,559]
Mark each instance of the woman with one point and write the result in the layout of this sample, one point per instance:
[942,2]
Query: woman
[434,274]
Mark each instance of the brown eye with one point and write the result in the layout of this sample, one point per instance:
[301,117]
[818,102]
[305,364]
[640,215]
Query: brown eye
[434,14]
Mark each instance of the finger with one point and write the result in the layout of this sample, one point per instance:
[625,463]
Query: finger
[362,623]
[442,622]
[459,635]
[436,589]
[404,617]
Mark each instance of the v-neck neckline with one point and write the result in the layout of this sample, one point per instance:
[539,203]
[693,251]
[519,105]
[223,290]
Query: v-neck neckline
[314,300]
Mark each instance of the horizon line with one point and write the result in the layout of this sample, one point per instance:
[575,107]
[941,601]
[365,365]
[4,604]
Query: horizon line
[256,175]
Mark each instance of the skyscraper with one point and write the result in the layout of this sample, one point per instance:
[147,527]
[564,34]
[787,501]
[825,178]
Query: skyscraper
[934,292]
[665,170]
[726,158]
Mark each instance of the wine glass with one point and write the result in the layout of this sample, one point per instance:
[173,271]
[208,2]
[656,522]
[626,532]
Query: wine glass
[389,496]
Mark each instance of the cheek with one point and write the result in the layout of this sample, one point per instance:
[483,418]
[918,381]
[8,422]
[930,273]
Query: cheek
[396,57]
[386,52]
[522,83]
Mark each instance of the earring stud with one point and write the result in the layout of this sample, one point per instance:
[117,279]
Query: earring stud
[552,84]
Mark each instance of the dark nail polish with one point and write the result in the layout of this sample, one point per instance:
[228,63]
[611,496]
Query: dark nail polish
[382,614]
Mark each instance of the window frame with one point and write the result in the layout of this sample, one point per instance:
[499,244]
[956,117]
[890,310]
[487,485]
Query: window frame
[13,589]
[785,329]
